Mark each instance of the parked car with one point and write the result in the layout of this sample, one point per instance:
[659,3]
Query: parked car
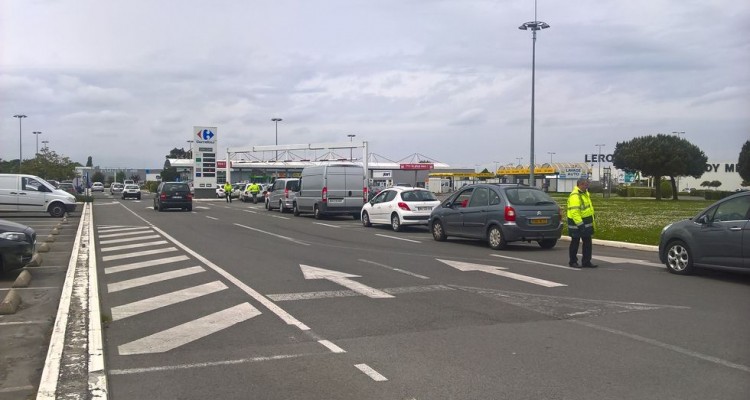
[220,190]
[116,187]
[717,237]
[173,195]
[499,214]
[281,194]
[399,206]
[131,191]
[17,245]
[332,189]
[68,187]
[97,187]
[20,192]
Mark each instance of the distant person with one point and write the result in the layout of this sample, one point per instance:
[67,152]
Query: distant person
[228,191]
[580,224]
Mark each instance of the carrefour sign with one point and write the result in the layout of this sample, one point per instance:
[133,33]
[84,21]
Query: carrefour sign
[204,135]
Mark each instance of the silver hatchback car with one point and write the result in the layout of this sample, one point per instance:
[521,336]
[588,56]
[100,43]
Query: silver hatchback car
[718,237]
[281,194]
[499,214]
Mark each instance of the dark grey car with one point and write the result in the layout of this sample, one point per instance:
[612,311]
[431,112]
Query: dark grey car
[498,214]
[17,244]
[718,237]
[173,195]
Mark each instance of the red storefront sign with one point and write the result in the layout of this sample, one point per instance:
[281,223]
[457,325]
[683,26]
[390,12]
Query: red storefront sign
[221,164]
[417,167]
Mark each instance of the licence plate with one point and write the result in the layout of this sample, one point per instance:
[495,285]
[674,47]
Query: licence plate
[424,208]
[335,200]
[537,221]
[176,197]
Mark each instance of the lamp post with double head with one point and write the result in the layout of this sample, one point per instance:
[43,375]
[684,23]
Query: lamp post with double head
[45,142]
[37,133]
[20,140]
[190,143]
[534,26]
[276,121]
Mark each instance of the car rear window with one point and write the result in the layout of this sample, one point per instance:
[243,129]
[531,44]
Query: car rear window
[292,185]
[417,195]
[528,196]
[175,187]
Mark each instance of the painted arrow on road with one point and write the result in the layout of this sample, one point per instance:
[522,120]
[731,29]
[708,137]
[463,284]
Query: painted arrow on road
[491,269]
[342,279]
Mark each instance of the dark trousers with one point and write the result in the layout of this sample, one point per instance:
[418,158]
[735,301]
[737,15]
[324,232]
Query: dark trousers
[229,197]
[573,250]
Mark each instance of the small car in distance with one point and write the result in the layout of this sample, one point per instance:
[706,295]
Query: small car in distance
[499,214]
[131,191]
[281,194]
[17,244]
[173,195]
[717,237]
[68,187]
[97,187]
[116,187]
[399,206]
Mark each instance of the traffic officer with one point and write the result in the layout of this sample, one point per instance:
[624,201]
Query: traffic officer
[254,191]
[228,191]
[580,214]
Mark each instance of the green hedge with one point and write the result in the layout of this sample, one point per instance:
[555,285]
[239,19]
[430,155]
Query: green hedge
[151,186]
[717,194]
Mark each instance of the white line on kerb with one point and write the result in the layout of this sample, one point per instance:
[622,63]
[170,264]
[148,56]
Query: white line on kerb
[371,373]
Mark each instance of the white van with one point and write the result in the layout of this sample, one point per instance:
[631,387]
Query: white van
[27,193]
[332,189]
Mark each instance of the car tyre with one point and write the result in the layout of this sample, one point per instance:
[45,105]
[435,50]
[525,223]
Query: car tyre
[395,222]
[295,210]
[366,220]
[316,212]
[679,258]
[438,231]
[495,238]
[547,243]
[57,210]
[281,207]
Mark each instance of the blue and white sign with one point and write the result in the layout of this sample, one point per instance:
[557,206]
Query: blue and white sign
[204,156]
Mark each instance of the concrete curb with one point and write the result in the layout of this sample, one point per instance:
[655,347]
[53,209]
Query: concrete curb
[43,248]
[23,279]
[36,260]
[10,303]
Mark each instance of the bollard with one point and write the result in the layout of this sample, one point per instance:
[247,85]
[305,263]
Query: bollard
[43,248]
[22,280]
[10,303]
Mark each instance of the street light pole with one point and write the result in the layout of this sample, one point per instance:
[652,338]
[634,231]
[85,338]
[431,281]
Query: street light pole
[37,133]
[519,160]
[534,25]
[550,156]
[678,133]
[190,143]
[20,140]
[351,138]
[276,121]
[599,159]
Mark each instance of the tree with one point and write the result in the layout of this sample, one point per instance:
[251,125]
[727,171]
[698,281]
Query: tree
[169,173]
[48,165]
[179,153]
[98,176]
[90,162]
[120,176]
[659,156]
[135,178]
[743,164]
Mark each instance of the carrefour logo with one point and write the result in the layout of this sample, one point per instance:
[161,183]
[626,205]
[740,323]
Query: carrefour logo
[205,134]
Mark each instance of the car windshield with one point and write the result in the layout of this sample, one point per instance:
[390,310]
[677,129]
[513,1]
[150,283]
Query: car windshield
[528,197]
[418,195]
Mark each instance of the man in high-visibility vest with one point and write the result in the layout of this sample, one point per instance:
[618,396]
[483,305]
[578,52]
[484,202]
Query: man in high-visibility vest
[228,191]
[580,213]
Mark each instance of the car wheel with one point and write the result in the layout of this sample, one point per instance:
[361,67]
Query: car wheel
[495,238]
[156,207]
[366,220]
[159,207]
[189,208]
[281,207]
[438,231]
[679,258]
[395,222]
[139,197]
[295,210]
[316,212]
[57,210]
[547,243]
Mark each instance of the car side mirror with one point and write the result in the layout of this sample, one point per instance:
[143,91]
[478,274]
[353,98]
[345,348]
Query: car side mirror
[703,220]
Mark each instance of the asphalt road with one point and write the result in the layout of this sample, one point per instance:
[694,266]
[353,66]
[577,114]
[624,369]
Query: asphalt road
[232,301]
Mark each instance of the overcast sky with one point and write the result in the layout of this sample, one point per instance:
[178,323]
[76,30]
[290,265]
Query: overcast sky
[126,81]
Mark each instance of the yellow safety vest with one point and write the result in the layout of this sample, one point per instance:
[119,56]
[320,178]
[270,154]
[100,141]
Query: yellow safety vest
[580,212]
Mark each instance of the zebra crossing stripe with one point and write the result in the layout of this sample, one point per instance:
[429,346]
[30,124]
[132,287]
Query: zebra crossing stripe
[190,331]
[133,246]
[132,239]
[125,234]
[145,280]
[144,264]
[138,254]
[167,299]
[122,229]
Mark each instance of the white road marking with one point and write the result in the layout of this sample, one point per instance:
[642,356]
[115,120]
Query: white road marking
[619,260]
[121,229]
[16,389]
[201,365]
[273,234]
[342,279]
[132,239]
[350,293]
[146,280]
[167,299]
[331,346]
[278,216]
[328,225]
[125,234]
[535,262]
[397,238]
[394,269]
[250,211]
[490,269]
[371,373]
[144,264]
[202,208]
[213,218]
[139,253]
[133,246]
[24,323]
[190,331]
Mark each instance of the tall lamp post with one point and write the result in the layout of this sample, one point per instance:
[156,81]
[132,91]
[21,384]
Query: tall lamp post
[534,26]
[551,153]
[37,133]
[599,159]
[276,121]
[495,171]
[351,139]
[45,142]
[190,143]
[519,160]
[20,140]
[678,133]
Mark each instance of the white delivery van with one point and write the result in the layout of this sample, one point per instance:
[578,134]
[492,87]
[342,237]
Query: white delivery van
[332,189]
[29,193]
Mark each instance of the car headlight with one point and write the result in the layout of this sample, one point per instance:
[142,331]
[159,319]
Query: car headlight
[14,236]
